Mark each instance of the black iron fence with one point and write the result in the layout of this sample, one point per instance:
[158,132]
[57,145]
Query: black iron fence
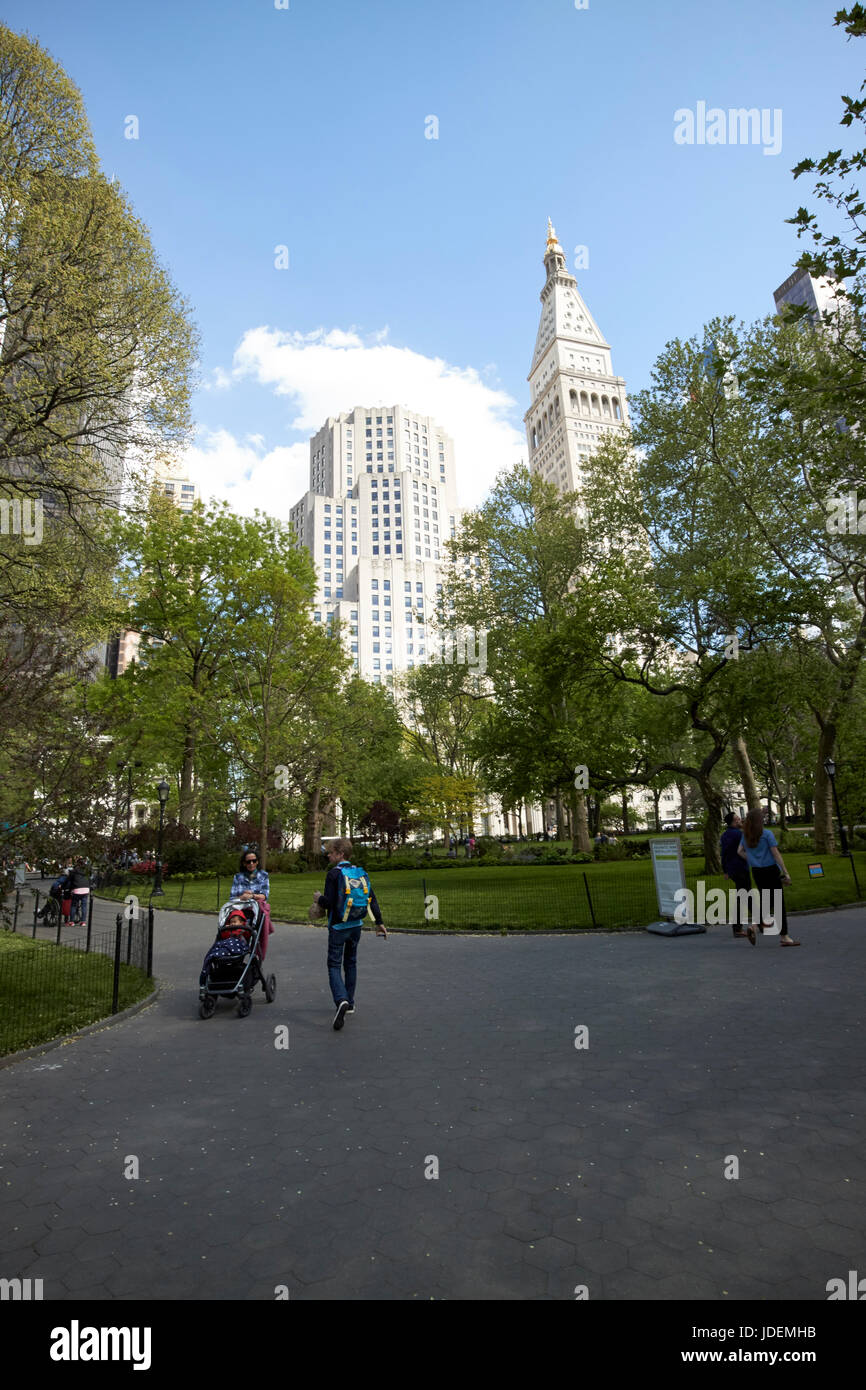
[56,978]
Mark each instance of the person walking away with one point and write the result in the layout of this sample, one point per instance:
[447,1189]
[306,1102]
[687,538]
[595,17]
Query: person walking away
[758,847]
[348,895]
[734,867]
[252,882]
[78,887]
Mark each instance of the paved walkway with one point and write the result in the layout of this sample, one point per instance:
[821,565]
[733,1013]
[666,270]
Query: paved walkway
[558,1166]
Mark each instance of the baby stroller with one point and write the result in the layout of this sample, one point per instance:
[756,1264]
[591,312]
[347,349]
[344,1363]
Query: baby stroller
[232,967]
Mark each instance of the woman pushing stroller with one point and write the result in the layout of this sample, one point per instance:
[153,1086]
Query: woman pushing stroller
[252,882]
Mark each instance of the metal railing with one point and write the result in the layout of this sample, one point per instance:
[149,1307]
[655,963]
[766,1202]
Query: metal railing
[55,979]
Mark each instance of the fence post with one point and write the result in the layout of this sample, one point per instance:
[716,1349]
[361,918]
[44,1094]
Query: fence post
[424,904]
[149,942]
[17,902]
[589,900]
[854,872]
[35,909]
[89,920]
[129,936]
[182,886]
[118,932]
[33,933]
[59,924]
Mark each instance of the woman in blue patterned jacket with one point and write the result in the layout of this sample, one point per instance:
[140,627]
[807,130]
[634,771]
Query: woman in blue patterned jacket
[252,882]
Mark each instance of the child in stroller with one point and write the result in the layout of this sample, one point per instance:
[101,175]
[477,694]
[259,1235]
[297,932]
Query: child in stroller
[232,966]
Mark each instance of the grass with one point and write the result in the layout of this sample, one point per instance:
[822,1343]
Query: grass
[528,898]
[47,991]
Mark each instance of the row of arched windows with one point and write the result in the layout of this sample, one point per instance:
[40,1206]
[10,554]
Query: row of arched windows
[587,403]
[545,423]
[605,407]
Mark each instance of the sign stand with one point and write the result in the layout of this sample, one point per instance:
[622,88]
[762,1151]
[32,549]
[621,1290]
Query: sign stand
[670,877]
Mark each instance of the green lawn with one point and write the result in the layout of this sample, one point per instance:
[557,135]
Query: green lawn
[528,897]
[47,991]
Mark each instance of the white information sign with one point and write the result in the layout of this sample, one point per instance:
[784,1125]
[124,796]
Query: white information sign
[669,871]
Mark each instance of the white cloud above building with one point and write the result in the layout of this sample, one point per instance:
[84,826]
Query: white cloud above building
[325,372]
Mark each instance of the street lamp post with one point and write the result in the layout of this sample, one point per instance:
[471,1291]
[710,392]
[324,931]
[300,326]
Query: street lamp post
[162,792]
[830,769]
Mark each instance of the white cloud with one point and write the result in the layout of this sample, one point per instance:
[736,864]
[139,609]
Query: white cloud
[323,373]
[245,477]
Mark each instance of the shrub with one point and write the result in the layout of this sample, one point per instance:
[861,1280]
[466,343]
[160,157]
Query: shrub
[488,848]
[692,848]
[558,852]
[793,842]
[636,849]
[606,854]
[192,856]
[286,861]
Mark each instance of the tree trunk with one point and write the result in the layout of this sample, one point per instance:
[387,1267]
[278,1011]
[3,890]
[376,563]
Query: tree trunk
[747,776]
[780,793]
[681,788]
[263,831]
[186,798]
[560,818]
[825,838]
[657,796]
[626,829]
[808,811]
[581,843]
[313,823]
[712,826]
[329,815]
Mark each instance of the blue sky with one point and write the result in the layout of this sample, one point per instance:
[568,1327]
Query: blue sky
[415,264]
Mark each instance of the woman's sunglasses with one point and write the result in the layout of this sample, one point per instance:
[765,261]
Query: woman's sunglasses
[251,861]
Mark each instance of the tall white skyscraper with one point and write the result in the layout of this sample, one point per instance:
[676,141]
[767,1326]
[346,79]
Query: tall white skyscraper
[575,396]
[176,484]
[381,504]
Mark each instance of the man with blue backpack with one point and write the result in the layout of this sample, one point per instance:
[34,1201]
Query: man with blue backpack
[347,898]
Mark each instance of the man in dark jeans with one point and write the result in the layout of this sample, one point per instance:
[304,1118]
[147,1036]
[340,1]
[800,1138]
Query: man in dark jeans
[734,866]
[343,937]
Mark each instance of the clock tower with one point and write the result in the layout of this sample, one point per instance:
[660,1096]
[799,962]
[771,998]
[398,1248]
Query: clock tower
[576,399]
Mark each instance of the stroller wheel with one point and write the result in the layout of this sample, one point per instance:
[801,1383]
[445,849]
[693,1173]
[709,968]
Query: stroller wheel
[207,1006]
[244,1006]
[271,988]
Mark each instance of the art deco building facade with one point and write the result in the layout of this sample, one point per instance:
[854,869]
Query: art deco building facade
[381,504]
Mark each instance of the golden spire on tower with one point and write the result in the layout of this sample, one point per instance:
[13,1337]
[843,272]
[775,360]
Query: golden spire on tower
[552,242]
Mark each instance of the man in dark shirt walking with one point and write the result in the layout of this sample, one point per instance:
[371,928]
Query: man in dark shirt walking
[343,936]
[734,866]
